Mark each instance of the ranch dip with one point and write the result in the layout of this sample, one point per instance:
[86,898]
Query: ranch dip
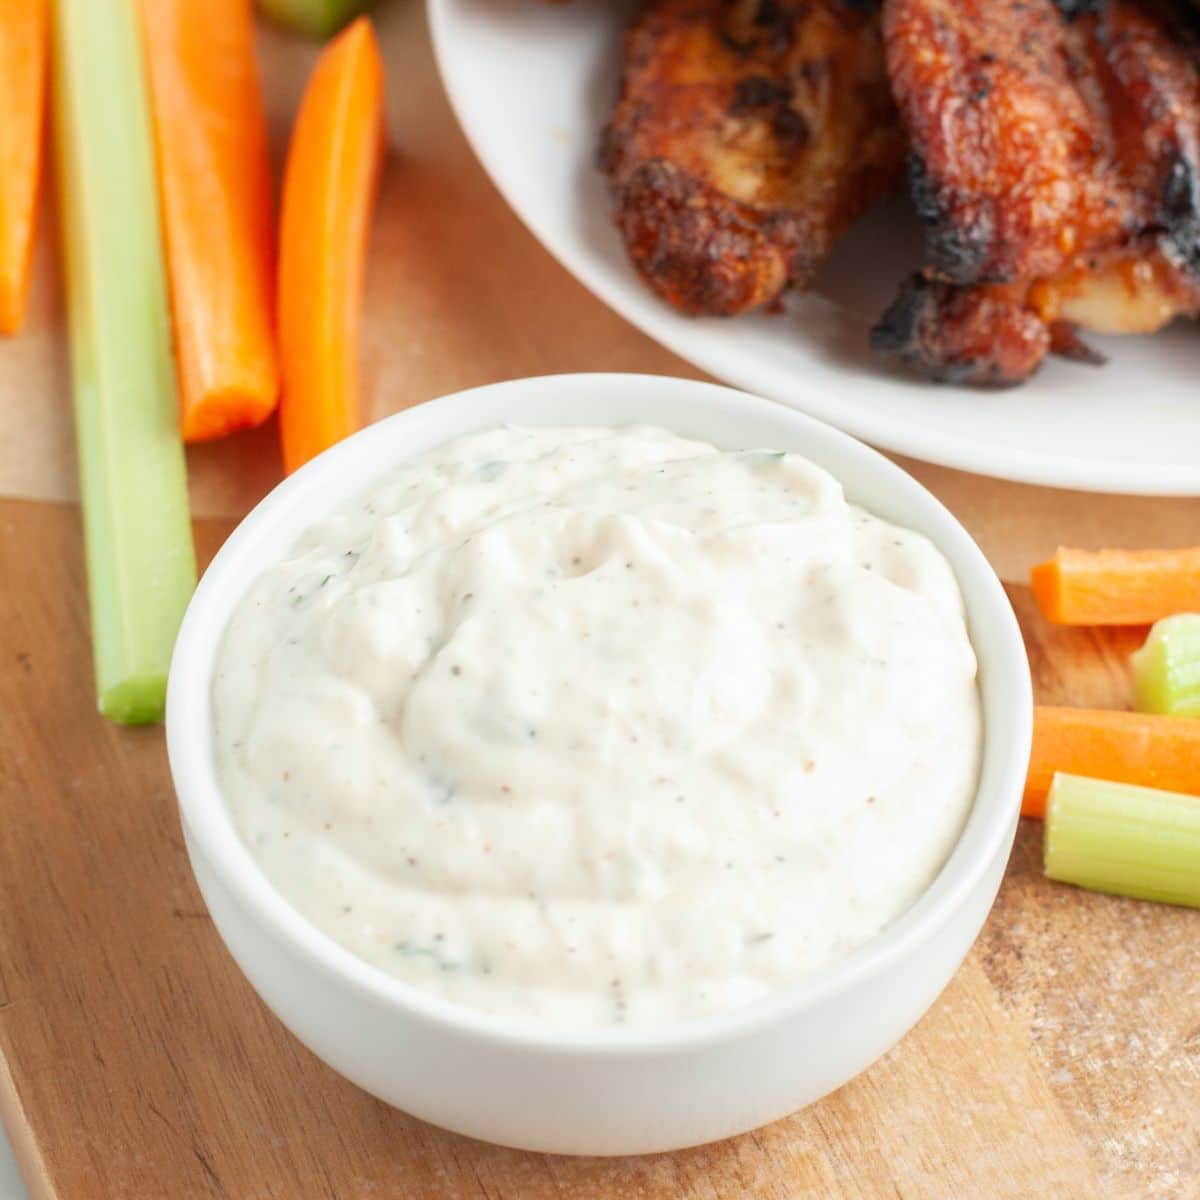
[600,727]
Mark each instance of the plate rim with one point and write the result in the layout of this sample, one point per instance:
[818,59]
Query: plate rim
[952,451]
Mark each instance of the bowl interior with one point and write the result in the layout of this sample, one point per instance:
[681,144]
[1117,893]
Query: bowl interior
[720,415]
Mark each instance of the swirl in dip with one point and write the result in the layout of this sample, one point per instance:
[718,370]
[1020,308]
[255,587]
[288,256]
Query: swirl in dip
[600,726]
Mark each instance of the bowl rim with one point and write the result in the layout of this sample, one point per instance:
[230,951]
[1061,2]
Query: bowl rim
[303,497]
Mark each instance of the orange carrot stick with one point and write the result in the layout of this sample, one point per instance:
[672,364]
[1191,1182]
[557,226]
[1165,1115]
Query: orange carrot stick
[24,36]
[215,180]
[328,195]
[1121,747]
[1117,587]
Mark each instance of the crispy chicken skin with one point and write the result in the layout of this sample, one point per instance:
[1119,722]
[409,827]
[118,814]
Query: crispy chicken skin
[1055,159]
[749,134]
[996,335]
[982,335]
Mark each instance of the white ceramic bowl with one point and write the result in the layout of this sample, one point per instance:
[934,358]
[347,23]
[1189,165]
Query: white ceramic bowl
[596,1091]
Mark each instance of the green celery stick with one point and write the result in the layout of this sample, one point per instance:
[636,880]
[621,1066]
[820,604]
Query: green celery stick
[141,564]
[1131,841]
[1166,670]
[317,18]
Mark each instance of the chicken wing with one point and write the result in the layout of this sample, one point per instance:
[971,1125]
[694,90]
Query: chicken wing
[749,134]
[1056,166]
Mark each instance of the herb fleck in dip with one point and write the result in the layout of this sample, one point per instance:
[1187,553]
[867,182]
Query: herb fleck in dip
[600,726]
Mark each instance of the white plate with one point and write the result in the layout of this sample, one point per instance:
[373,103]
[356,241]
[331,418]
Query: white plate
[532,85]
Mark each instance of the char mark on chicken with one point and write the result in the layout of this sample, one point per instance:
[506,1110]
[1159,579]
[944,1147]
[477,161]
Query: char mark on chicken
[748,136]
[1055,164]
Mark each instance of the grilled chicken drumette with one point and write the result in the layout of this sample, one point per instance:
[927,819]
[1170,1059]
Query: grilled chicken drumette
[748,136]
[1055,158]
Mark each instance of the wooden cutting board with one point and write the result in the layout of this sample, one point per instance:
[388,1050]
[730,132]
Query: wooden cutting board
[1061,1061]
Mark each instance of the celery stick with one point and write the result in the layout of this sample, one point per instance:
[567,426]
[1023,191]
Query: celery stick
[1166,670]
[141,564]
[1131,841]
[318,18]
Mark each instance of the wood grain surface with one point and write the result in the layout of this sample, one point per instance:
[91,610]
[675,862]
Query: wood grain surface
[1062,1061]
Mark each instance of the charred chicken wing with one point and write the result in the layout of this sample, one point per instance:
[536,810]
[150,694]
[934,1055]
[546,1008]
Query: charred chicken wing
[1055,158]
[748,136]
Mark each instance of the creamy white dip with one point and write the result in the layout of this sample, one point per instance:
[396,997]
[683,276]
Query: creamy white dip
[600,726]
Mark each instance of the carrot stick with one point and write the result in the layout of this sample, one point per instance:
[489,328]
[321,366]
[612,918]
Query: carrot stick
[1117,587]
[24,39]
[328,194]
[215,181]
[1121,747]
